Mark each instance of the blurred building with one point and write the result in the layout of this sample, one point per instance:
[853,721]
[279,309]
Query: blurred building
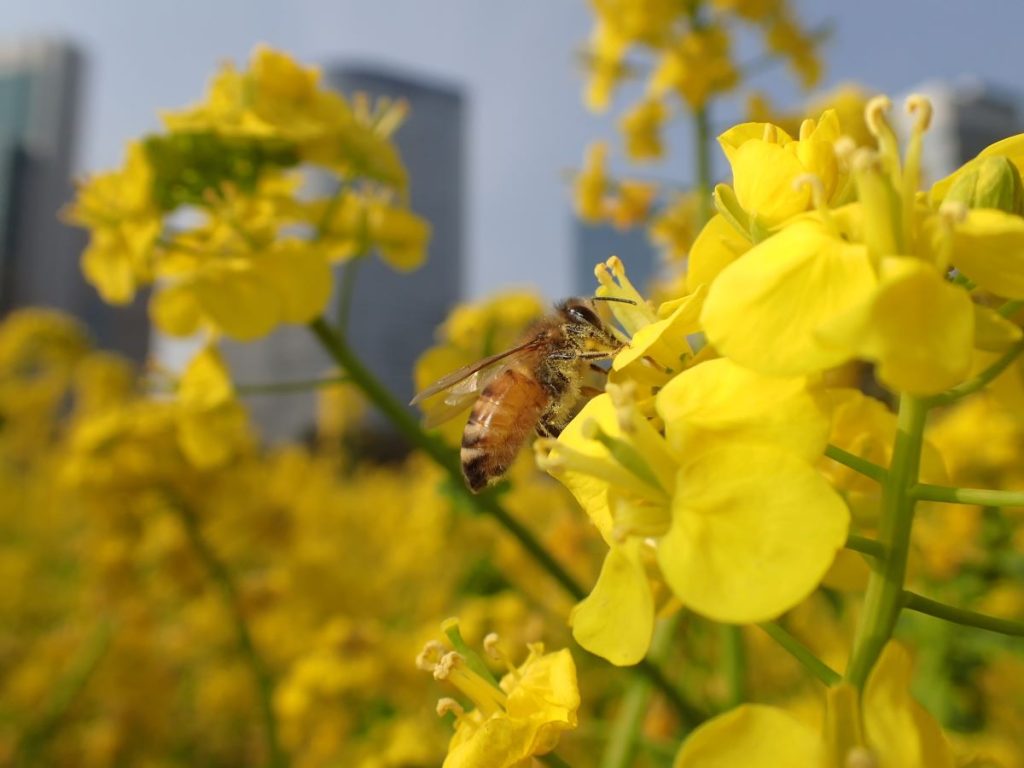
[39,99]
[595,243]
[393,316]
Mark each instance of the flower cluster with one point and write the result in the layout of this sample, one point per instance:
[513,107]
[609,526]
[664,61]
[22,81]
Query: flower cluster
[210,211]
[758,496]
[151,528]
[735,454]
[683,52]
[512,719]
[689,44]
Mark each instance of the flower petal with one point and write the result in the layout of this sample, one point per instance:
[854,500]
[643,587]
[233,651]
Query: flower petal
[896,726]
[754,530]
[239,300]
[717,246]
[988,247]
[617,619]
[763,311]
[917,327]
[665,341]
[719,400]
[751,736]
[175,311]
[302,278]
[763,176]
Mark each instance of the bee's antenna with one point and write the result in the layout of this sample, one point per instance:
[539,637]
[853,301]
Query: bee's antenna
[613,298]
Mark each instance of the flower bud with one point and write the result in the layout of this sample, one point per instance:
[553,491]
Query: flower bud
[992,182]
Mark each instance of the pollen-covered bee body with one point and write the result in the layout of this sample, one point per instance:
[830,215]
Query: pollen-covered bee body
[537,386]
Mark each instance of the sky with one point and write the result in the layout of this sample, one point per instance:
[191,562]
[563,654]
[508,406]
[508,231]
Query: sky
[514,60]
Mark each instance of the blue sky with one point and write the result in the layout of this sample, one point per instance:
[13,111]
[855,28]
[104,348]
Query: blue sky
[514,59]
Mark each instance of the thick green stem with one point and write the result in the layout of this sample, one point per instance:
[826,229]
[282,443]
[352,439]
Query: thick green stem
[485,503]
[981,496]
[801,653]
[884,597]
[347,293]
[625,733]
[856,463]
[221,576]
[734,665]
[962,616]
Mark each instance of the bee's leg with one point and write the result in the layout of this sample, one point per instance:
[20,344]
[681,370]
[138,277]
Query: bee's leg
[547,428]
[589,392]
[595,355]
[598,369]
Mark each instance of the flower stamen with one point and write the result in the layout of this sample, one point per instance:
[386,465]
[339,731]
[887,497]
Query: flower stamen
[553,456]
[430,656]
[819,197]
[888,146]
[447,704]
[494,649]
[485,696]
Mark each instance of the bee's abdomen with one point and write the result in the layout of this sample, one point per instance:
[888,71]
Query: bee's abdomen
[502,418]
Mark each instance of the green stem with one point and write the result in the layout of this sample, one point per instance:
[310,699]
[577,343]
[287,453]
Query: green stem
[856,463]
[734,665]
[484,503]
[865,546]
[625,732]
[218,571]
[962,616]
[689,713]
[801,653]
[65,692]
[982,496]
[346,293]
[978,382]
[1010,308]
[279,387]
[884,597]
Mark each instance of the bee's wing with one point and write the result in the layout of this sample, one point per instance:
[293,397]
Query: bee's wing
[454,379]
[462,386]
[436,414]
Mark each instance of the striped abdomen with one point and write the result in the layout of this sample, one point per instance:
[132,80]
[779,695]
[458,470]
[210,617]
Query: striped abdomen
[503,416]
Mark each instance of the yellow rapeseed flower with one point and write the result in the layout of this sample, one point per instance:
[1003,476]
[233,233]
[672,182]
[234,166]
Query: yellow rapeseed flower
[696,66]
[867,280]
[513,720]
[886,727]
[712,500]
[642,128]
[124,222]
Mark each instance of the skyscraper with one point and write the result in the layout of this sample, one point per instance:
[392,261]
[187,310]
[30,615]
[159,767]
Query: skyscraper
[39,85]
[393,316]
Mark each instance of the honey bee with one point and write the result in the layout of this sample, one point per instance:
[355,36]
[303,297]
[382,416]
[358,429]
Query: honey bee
[536,386]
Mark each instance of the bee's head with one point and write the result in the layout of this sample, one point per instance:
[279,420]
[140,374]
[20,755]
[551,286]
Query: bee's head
[584,322]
